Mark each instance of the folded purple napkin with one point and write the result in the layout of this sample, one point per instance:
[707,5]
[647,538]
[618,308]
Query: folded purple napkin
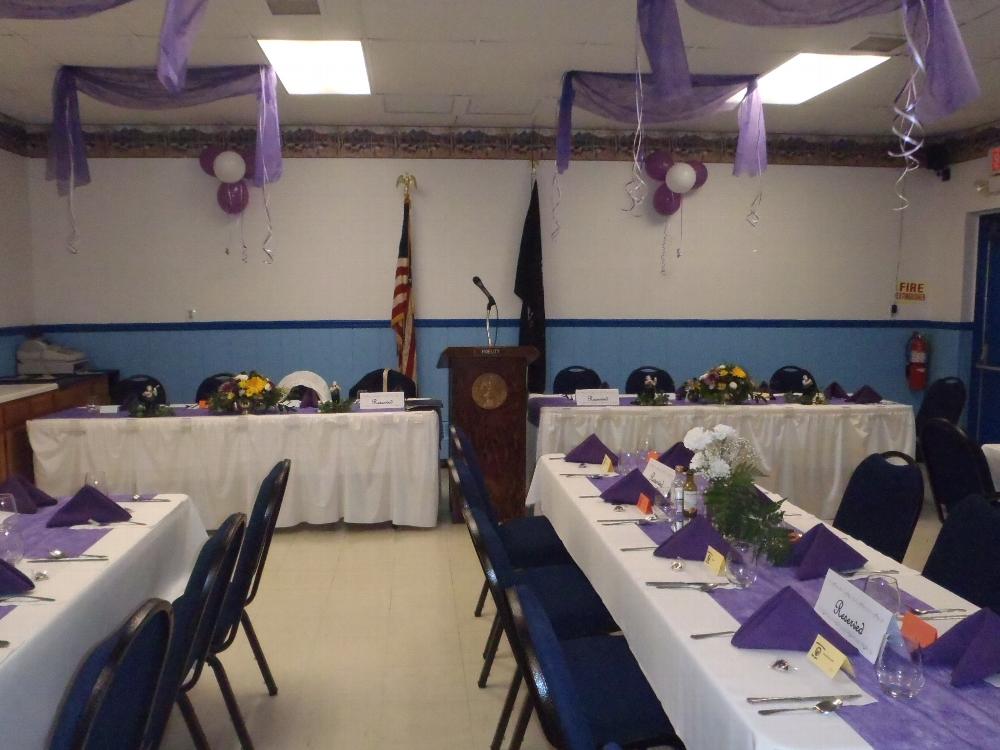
[27,496]
[692,541]
[86,505]
[835,390]
[12,580]
[591,451]
[972,647]
[628,488]
[820,549]
[865,395]
[676,455]
[786,621]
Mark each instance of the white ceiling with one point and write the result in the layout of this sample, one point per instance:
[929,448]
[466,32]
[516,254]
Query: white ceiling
[474,63]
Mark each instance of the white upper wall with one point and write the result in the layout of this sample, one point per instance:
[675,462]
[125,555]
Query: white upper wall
[15,242]
[153,243]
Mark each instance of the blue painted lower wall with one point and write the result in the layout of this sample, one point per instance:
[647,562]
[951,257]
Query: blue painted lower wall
[851,352]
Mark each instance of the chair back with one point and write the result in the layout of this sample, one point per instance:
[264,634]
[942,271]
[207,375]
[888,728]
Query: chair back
[108,702]
[543,664]
[636,379]
[788,379]
[881,503]
[130,388]
[384,380]
[492,556]
[210,385]
[306,386]
[570,379]
[466,450]
[965,558]
[253,554]
[956,466]
[944,399]
[196,613]
[471,491]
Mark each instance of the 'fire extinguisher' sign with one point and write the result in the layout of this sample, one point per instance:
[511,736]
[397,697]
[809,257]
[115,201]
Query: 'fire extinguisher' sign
[911,291]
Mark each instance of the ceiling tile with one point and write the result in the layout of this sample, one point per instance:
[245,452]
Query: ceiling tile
[440,20]
[418,104]
[515,104]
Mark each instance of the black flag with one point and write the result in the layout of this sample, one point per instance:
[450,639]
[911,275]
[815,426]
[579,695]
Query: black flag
[528,286]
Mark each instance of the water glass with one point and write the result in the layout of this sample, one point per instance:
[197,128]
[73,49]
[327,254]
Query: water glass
[899,666]
[11,541]
[741,564]
[96,479]
[884,590]
[8,507]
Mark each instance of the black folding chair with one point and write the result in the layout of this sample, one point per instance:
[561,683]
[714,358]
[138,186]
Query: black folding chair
[384,380]
[788,379]
[131,388]
[210,385]
[569,379]
[955,464]
[944,399]
[637,378]
[881,504]
[965,558]
[108,703]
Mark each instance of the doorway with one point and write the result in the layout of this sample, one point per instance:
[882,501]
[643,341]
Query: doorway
[984,390]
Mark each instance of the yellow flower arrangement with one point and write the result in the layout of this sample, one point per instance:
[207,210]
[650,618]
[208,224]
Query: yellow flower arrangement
[246,392]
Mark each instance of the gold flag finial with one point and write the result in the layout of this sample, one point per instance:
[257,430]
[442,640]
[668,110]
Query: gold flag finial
[408,181]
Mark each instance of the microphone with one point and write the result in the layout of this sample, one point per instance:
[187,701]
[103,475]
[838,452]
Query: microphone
[490,302]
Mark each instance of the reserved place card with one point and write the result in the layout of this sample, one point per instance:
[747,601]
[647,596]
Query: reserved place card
[379,400]
[597,397]
[854,615]
[659,476]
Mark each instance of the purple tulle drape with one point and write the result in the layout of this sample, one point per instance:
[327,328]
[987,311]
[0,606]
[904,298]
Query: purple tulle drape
[51,10]
[139,88]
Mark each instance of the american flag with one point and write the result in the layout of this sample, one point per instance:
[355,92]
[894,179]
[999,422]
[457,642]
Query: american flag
[403,309]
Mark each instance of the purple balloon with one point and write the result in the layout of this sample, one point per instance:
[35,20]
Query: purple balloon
[207,159]
[657,164]
[233,196]
[700,173]
[666,201]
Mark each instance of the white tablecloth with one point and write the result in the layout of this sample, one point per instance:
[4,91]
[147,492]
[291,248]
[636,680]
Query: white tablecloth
[359,467]
[808,453]
[49,641]
[703,685]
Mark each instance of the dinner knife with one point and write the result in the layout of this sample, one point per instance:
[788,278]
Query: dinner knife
[804,698]
[102,558]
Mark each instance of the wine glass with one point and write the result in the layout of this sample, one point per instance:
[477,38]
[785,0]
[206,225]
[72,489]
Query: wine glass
[884,590]
[741,564]
[11,541]
[899,666]
[96,479]
[8,507]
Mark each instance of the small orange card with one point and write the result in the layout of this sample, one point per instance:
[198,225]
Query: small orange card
[644,504]
[918,631]
[652,456]
[203,404]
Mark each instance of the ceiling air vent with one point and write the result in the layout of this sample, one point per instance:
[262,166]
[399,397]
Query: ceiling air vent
[293,7]
[879,44]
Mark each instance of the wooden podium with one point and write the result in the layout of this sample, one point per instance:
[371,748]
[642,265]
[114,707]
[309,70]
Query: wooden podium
[488,398]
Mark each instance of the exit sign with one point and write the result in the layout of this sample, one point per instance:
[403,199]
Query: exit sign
[995,160]
[911,291]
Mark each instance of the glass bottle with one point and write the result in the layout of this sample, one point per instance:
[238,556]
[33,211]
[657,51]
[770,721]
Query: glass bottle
[690,496]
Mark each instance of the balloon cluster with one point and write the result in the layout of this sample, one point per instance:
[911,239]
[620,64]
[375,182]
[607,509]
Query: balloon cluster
[233,169]
[680,177]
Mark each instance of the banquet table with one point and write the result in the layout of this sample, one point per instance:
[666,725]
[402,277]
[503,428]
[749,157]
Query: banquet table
[807,453]
[360,467]
[703,684]
[48,641]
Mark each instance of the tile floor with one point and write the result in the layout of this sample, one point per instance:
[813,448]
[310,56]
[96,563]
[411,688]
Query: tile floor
[372,640]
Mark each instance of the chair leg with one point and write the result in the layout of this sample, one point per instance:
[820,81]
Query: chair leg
[482,599]
[231,705]
[491,651]
[522,723]
[494,630]
[508,708]
[258,654]
[193,725]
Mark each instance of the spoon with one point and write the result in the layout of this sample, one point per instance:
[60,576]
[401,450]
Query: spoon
[823,707]
[696,585]
[58,554]
[93,522]
[933,611]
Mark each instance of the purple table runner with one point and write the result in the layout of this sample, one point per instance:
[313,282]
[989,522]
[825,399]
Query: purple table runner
[82,412]
[941,716]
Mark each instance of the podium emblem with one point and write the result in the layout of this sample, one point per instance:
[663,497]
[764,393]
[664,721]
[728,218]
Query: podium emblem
[489,391]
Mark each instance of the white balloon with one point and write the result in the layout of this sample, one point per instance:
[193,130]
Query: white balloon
[230,167]
[681,177]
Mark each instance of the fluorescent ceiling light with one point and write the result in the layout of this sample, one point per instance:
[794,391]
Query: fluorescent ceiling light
[325,67]
[809,74]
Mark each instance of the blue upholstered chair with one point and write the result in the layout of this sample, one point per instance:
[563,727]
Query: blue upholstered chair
[881,503]
[788,379]
[107,704]
[636,378]
[965,558]
[196,613]
[571,378]
[246,578]
[589,691]
[956,466]
[208,387]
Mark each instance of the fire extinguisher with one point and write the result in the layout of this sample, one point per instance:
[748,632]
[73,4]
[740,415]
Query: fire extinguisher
[917,361]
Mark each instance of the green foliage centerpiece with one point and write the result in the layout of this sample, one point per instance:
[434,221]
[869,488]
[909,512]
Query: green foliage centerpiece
[732,501]
[727,383]
[649,395]
[246,392]
[145,405]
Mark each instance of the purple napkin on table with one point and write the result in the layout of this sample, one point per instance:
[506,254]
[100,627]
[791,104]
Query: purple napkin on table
[86,505]
[786,621]
[676,455]
[27,496]
[820,549]
[628,488]
[835,390]
[12,580]
[591,451]
[865,395]
[972,647]
[692,541]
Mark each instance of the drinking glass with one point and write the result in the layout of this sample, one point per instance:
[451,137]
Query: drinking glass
[884,590]
[96,479]
[8,507]
[741,564]
[11,541]
[899,666]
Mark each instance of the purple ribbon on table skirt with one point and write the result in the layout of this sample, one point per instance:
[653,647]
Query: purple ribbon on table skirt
[139,88]
[940,716]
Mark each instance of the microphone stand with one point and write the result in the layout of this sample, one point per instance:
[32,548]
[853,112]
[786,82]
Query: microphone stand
[490,338]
